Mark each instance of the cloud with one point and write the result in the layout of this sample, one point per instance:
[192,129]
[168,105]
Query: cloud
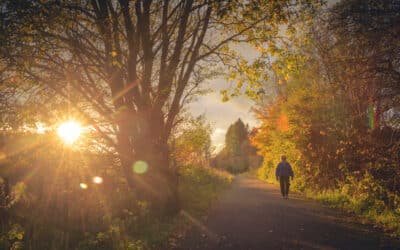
[218,138]
[219,131]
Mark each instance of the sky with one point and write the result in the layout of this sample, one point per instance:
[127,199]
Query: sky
[222,114]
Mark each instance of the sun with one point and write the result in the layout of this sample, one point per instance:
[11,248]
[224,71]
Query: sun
[69,131]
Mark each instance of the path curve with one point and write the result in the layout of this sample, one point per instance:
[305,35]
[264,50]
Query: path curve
[252,215]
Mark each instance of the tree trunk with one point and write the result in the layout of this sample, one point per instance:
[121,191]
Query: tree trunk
[147,166]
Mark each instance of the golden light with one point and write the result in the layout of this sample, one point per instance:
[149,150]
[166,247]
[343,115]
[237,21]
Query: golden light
[69,131]
[97,180]
[83,185]
[40,128]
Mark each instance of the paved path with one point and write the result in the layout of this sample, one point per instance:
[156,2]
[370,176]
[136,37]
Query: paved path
[252,215]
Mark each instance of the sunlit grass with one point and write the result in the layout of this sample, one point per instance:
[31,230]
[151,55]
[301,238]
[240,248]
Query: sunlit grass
[198,188]
[389,220]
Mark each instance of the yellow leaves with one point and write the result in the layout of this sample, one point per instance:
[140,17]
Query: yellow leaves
[19,191]
[273,49]
[232,76]
[239,84]
[16,232]
[113,53]
[283,79]
[70,24]
[225,96]
[286,77]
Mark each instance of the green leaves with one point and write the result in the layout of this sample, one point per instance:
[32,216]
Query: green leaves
[12,239]
[16,232]
[192,144]
[276,27]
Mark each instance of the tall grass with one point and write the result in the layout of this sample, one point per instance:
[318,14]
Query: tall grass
[373,212]
[199,187]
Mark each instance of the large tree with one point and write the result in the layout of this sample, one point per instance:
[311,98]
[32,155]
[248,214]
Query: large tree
[127,67]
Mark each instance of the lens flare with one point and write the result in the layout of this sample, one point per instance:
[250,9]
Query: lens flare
[140,167]
[83,185]
[97,180]
[69,131]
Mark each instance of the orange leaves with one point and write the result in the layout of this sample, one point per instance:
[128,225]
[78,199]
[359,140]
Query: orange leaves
[283,123]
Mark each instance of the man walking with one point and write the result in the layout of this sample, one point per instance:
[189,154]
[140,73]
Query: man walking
[283,171]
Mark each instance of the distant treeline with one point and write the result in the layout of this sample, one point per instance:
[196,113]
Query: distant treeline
[238,155]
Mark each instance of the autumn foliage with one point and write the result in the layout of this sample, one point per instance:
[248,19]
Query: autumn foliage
[336,116]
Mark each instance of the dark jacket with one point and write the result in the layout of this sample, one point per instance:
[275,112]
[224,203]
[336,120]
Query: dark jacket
[284,169]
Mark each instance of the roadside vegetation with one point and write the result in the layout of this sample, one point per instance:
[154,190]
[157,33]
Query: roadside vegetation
[335,112]
[367,211]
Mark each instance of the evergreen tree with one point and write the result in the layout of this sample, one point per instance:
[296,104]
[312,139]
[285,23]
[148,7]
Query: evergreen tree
[235,136]
[238,155]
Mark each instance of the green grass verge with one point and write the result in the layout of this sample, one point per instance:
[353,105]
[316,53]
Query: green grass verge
[141,230]
[199,187]
[372,212]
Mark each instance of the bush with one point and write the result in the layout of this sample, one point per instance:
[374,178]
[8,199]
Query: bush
[199,186]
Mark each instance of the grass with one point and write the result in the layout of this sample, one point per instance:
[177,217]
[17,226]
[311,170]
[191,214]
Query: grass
[372,212]
[199,187]
[141,230]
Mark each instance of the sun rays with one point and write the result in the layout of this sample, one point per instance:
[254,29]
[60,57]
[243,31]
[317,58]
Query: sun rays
[69,131]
